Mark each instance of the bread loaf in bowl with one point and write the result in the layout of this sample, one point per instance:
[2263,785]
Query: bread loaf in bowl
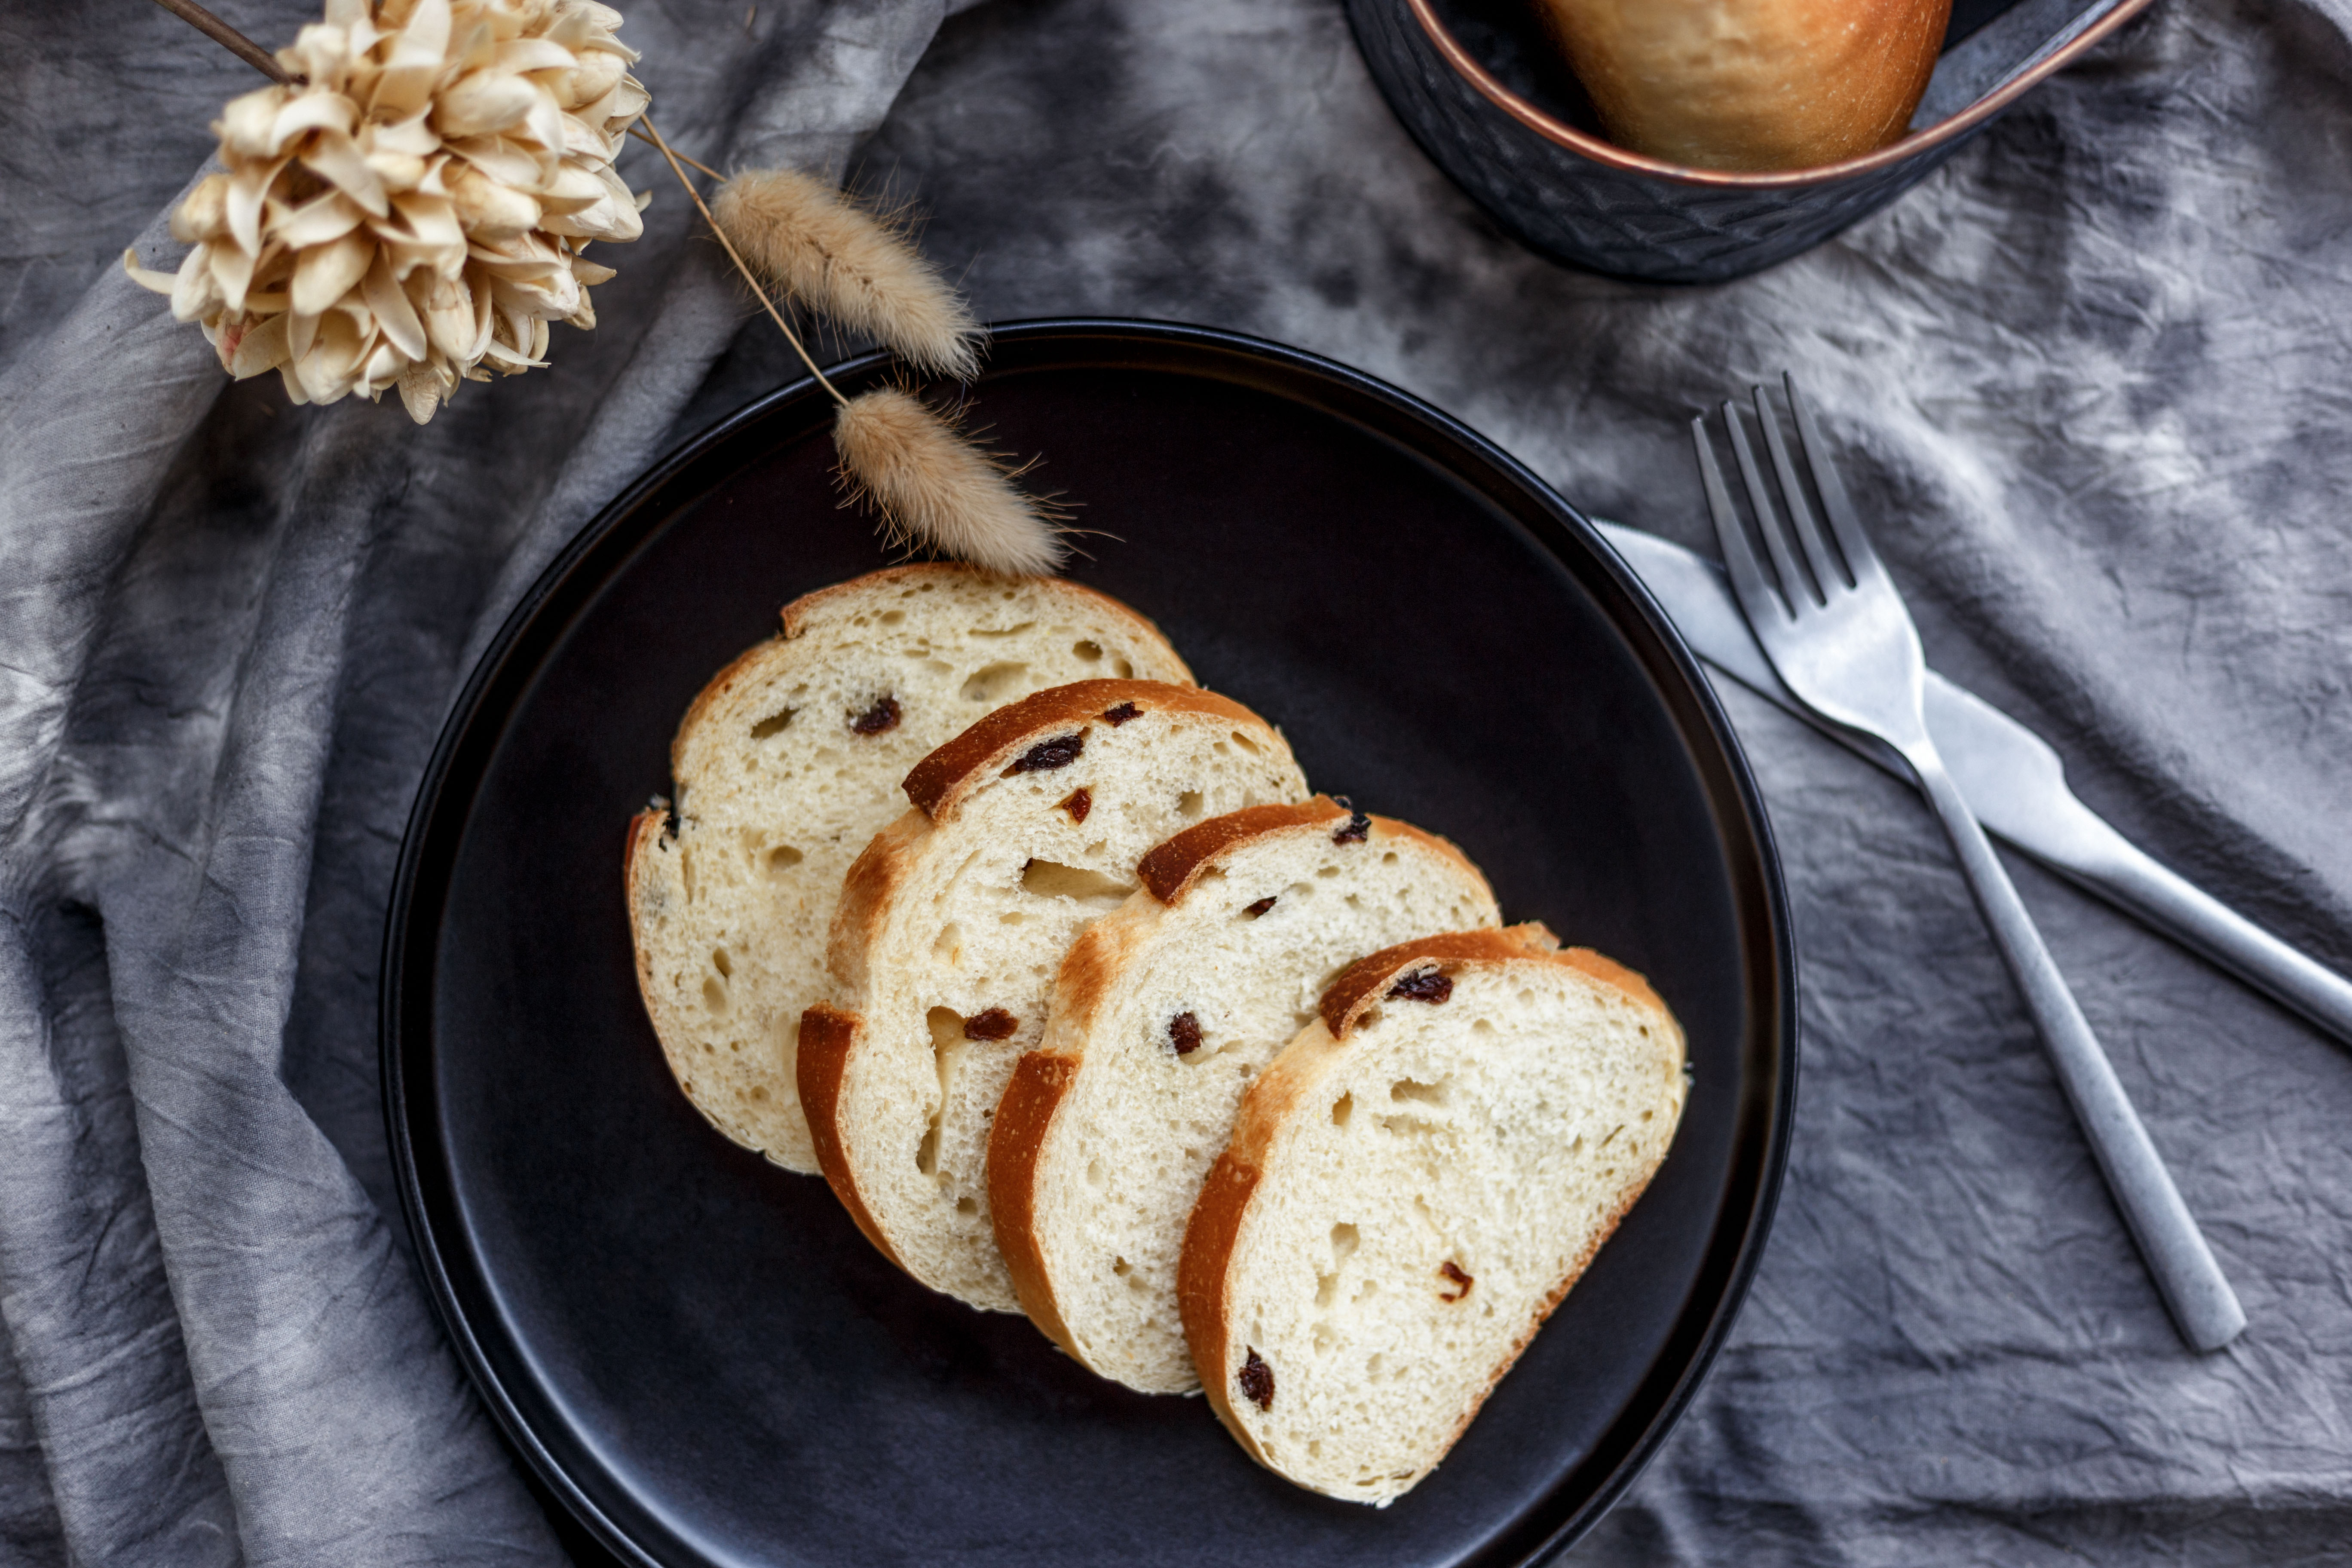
[1751,84]
[787,765]
[1412,1187]
[1162,1013]
[952,924]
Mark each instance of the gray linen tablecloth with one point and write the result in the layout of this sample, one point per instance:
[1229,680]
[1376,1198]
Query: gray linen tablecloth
[2096,378]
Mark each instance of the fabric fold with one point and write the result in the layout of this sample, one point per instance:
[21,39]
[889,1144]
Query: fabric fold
[228,632]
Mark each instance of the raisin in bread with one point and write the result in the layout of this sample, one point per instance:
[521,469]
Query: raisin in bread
[787,765]
[1026,827]
[1412,1187]
[1163,1012]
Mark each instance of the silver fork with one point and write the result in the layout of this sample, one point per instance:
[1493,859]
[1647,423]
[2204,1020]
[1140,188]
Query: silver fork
[1838,633]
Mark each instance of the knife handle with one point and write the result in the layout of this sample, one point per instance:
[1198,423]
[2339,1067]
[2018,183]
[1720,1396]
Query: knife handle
[2203,1307]
[2117,869]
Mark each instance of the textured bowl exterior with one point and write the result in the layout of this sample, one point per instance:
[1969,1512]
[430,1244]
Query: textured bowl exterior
[1600,214]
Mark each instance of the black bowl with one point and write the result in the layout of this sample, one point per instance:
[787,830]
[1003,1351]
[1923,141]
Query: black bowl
[1483,91]
[696,1350]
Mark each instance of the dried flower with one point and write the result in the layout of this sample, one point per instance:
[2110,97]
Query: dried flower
[934,487]
[808,239]
[413,208]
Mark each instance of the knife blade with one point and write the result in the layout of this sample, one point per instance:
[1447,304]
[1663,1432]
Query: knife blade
[2012,780]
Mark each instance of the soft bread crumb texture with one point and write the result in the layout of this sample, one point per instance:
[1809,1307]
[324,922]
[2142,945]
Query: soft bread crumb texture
[944,922]
[1258,932]
[787,765]
[1424,1193]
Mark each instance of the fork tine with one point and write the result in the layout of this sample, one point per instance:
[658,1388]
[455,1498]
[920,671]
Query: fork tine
[1755,595]
[1861,560]
[1793,582]
[1827,575]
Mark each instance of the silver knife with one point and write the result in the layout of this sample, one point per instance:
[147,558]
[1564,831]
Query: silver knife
[2012,781]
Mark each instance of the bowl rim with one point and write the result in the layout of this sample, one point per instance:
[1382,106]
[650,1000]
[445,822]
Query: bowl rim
[1555,129]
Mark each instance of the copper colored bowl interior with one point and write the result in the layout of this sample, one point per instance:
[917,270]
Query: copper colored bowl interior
[1554,129]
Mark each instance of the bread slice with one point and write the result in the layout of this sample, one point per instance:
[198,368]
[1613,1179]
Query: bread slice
[787,765]
[1163,1011]
[1410,1189]
[952,923]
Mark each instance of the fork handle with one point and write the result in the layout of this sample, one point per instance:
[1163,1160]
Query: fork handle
[2203,1307]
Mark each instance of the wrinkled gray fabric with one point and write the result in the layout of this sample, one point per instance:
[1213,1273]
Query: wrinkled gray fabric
[230,632]
[2091,379]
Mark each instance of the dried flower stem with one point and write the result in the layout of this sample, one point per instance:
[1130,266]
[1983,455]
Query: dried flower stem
[931,484]
[767,304]
[681,157]
[229,39]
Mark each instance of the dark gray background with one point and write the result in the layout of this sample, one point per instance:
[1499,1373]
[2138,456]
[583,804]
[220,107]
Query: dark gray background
[2093,379]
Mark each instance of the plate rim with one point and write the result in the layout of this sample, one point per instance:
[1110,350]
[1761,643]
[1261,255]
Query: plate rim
[1541,1536]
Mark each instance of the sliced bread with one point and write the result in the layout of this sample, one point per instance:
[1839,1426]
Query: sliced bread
[953,923]
[785,768]
[1163,1011]
[1412,1187]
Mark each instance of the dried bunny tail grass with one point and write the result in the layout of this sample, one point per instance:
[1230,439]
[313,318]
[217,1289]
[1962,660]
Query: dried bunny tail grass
[934,487]
[820,247]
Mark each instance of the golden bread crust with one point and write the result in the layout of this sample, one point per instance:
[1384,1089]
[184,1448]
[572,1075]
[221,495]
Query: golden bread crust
[1172,867]
[1214,1235]
[865,893]
[828,1037]
[1364,983]
[1040,1081]
[940,781]
[731,1047]
[1202,1274]
[1017,1139]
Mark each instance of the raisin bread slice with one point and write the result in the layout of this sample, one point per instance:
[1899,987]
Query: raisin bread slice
[1163,1012]
[1410,1189]
[1026,827]
[787,765]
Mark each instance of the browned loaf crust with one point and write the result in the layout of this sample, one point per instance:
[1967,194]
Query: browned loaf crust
[1216,1226]
[1369,978]
[936,787]
[775,1128]
[940,781]
[1040,1082]
[795,617]
[1043,1077]
[1172,868]
[826,1037]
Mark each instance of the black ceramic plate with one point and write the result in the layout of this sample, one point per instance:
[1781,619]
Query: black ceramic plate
[695,1348]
